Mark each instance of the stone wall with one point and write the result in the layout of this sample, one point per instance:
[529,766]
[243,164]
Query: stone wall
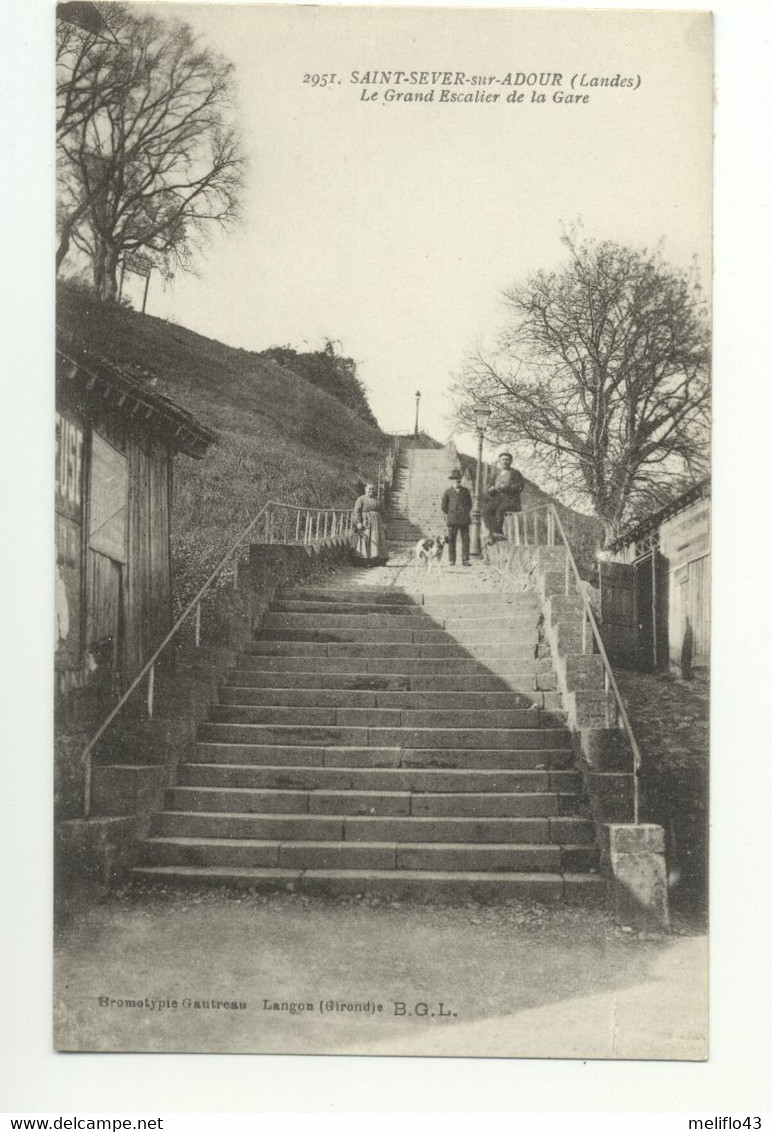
[632,857]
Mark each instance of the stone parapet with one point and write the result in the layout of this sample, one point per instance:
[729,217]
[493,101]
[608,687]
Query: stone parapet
[638,875]
[636,868]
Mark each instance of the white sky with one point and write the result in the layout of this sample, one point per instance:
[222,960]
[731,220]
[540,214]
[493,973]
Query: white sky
[394,228]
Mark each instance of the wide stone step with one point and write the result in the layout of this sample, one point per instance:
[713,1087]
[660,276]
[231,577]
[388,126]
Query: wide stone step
[347,608]
[349,697]
[509,648]
[333,632]
[370,596]
[501,634]
[230,799]
[498,624]
[343,682]
[369,717]
[322,827]
[404,737]
[360,757]
[359,698]
[366,778]
[404,884]
[524,685]
[508,617]
[454,857]
[481,605]
[496,634]
[280,755]
[430,667]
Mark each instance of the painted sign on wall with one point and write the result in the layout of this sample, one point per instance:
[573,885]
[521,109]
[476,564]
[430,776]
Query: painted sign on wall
[69,466]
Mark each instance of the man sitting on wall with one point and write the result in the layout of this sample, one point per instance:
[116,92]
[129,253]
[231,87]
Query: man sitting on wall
[503,495]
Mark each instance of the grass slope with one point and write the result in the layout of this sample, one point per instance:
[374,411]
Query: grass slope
[280,436]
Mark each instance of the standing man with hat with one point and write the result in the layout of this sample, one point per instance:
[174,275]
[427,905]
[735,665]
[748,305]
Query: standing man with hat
[457,508]
[503,495]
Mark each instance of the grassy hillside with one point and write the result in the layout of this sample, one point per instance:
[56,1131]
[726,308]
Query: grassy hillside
[280,435]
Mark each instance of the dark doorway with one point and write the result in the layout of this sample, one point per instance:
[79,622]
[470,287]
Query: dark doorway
[618,620]
[634,606]
[650,587]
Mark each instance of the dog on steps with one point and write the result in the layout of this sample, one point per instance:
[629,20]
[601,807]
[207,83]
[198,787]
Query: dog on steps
[429,552]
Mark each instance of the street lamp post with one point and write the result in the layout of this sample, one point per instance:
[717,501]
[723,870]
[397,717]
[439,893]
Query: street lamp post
[482,415]
[417,403]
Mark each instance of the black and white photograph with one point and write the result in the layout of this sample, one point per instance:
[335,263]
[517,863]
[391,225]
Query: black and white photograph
[382,531]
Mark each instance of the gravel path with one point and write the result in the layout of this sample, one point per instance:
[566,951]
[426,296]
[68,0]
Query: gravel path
[519,979]
[402,573]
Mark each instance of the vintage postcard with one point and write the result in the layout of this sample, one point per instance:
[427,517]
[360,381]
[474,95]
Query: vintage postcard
[383,530]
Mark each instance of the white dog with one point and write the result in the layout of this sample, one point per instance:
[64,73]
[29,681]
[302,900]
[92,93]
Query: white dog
[429,551]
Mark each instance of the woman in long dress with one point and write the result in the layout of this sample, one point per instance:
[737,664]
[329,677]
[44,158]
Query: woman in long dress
[369,545]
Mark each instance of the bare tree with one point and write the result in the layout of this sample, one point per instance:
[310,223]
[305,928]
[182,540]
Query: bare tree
[149,155]
[602,378]
[91,71]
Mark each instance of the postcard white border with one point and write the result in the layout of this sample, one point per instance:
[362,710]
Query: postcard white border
[737,1075]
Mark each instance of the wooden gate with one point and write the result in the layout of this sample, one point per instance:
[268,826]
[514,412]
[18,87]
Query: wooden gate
[619,624]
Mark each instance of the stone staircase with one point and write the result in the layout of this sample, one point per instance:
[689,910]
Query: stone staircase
[420,478]
[370,741]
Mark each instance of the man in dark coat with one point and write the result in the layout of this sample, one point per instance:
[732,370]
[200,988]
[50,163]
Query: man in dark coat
[503,495]
[457,508]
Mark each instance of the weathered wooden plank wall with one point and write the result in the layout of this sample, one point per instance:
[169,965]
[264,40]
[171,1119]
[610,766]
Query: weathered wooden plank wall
[148,589]
[127,604]
[690,600]
[685,541]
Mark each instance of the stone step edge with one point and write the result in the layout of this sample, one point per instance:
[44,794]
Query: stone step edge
[497,691]
[242,717]
[414,819]
[289,768]
[268,726]
[339,748]
[459,772]
[399,597]
[423,614]
[440,846]
[512,672]
[322,792]
[553,886]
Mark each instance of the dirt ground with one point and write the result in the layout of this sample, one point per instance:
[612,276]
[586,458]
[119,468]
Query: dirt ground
[520,979]
[402,573]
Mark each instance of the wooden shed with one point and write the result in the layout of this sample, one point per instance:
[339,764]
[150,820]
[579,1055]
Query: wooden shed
[116,439]
[655,587]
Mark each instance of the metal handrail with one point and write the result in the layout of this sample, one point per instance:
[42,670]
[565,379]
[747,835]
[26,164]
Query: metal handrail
[588,617]
[312,524]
